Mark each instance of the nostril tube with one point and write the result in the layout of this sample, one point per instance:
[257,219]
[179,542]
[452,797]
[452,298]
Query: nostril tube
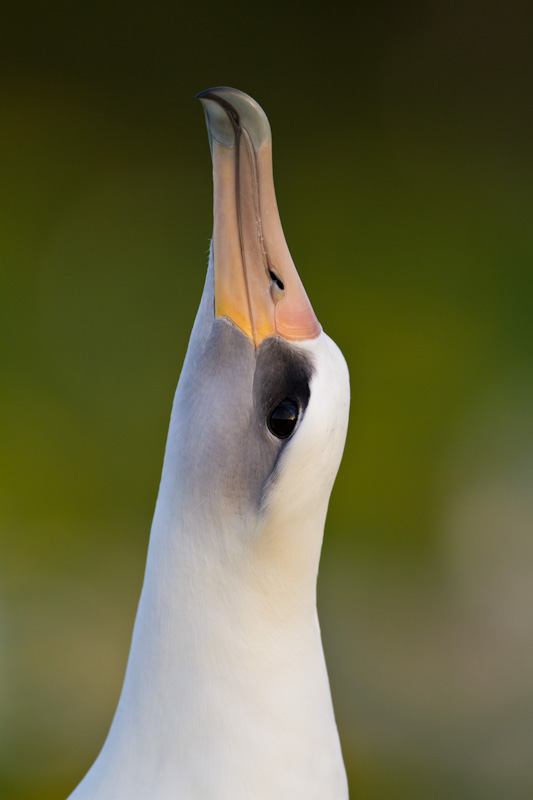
[276,280]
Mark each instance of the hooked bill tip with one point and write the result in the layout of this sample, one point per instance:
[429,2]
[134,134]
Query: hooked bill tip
[227,110]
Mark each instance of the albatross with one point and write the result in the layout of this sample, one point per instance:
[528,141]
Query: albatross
[226,694]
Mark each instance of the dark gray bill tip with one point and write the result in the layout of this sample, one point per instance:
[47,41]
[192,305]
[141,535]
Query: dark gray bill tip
[228,110]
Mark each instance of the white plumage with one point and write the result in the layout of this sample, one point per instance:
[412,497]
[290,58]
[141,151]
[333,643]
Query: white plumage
[226,694]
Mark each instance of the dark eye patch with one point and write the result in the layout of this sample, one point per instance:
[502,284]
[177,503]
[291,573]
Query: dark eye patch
[281,373]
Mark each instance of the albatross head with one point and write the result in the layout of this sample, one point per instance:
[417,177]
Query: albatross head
[260,414]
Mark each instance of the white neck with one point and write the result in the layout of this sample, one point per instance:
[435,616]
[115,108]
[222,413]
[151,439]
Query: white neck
[226,695]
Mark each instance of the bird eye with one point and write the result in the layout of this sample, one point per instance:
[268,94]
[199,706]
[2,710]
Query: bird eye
[282,419]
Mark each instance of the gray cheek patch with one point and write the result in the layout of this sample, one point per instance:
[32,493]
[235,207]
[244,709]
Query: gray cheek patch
[226,451]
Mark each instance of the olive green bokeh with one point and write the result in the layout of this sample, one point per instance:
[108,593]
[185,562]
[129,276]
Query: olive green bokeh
[403,167]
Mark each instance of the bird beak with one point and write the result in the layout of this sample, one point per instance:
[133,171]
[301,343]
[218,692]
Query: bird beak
[257,286]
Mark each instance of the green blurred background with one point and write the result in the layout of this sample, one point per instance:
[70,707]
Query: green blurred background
[403,164]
